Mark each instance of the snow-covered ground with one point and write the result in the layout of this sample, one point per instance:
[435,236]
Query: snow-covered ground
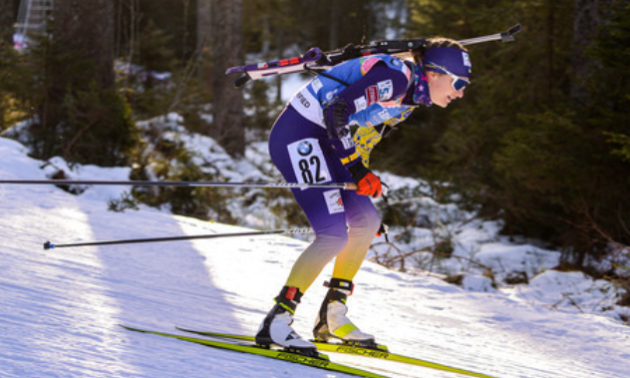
[60,309]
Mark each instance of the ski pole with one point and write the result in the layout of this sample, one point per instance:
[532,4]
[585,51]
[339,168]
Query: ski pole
[265,185]
[49,245]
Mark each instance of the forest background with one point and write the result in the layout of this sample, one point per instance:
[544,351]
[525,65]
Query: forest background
[541,140]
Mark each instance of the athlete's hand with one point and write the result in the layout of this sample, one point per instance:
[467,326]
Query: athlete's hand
[369,184]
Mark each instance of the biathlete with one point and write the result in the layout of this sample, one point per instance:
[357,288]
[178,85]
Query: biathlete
[311,142]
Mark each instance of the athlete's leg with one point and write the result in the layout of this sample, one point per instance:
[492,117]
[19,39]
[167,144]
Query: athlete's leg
[363,222]
[302,152]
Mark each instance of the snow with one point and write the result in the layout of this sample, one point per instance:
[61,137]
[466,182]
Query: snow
[60,309]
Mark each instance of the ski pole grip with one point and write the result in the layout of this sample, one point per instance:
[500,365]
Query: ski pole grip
[350,186]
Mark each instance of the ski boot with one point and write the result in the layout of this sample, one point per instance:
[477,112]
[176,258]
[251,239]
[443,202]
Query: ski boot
[332,322]
[276,328]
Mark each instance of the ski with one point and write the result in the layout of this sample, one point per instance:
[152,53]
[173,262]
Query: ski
[320,362]
[316,60]
[381,353]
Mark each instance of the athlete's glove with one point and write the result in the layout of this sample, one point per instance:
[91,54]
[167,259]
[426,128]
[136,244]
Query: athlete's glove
[369,184]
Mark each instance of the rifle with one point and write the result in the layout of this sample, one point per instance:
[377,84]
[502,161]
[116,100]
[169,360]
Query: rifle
[316,60]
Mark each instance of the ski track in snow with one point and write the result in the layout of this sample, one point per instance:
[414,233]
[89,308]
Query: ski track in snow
[60,309]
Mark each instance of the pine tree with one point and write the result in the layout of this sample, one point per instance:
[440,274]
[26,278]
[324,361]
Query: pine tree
[7,19]
[81,116]
[539,140]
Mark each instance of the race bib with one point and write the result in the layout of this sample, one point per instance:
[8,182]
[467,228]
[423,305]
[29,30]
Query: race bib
[309,164]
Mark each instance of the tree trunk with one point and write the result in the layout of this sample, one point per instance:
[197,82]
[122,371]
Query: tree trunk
[204,23]
[550,50]
[335,14]
[227,127]
[204,48]
[588,17]
[7,18]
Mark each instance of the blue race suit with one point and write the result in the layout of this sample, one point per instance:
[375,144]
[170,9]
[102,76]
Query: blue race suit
[311,143]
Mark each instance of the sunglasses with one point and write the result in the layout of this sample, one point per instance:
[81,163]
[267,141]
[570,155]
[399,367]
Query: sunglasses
[458,83]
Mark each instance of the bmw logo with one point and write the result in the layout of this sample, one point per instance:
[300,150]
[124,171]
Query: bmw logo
[305,148]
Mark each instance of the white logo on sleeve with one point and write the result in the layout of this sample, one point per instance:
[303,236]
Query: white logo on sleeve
[360,103]
[317,85]
[385,90]
[384,115]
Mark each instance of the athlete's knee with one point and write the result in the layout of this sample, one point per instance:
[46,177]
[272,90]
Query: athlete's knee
[331,243]
[335,241]
[369,223]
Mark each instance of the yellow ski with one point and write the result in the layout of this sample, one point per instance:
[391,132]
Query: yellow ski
[321,361]
[381,352]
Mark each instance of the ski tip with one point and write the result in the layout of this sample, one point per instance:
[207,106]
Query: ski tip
[238,69]
[382,347]
[131,328]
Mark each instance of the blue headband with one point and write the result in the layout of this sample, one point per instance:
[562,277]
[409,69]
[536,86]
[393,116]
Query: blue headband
[453,59]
